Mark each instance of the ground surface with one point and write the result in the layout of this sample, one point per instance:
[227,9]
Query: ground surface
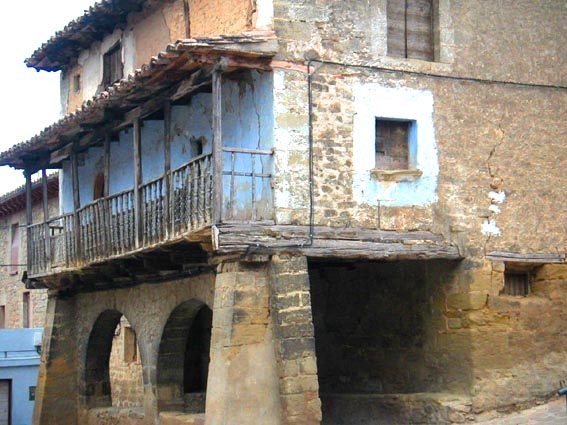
[552,413]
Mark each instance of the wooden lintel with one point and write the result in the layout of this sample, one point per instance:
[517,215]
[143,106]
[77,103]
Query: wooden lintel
[515,257]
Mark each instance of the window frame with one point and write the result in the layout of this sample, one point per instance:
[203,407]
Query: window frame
[110,75]
[409,51]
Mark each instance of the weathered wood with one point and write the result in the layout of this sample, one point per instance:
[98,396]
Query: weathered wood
[526,258]
[107,211]
[168,213]
[29,217]
[46,230]
[217,146]
[137,141]
[333,243]
[187,18]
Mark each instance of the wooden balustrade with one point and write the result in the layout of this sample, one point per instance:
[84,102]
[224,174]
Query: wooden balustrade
[107,226]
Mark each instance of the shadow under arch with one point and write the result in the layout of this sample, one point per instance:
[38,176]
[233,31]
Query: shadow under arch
[97,369]
[183,359]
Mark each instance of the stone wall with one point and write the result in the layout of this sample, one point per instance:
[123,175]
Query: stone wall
[11,285]
[126,381]
[518,351]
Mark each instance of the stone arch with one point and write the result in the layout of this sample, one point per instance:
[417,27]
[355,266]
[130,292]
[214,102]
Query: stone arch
[97,373]
[183,358]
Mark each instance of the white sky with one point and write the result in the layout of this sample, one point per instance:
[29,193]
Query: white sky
[30,99]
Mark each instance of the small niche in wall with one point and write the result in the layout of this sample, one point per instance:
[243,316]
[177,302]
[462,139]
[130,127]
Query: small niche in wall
[517,281]
[77,83]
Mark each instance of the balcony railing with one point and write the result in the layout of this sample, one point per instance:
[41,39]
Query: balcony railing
[170,206]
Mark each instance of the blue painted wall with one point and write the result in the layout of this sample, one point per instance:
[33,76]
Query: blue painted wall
[19,362]
[247,122]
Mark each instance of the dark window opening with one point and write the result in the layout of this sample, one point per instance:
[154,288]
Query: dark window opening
[410,29]
[15,249]
[99,184]
[26,310]
[2,316]
[516,283]
[77,83]
[112,65]
[392,144]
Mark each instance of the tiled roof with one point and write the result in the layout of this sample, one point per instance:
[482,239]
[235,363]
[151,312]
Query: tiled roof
[63,47]
[15,200]
[176,63]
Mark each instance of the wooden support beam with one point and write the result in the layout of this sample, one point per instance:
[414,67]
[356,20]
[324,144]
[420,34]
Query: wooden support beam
[217,146]
[47,233]
[76,205]
[332,243]
[29,216]
[168,210]
[137,149]
[106,210]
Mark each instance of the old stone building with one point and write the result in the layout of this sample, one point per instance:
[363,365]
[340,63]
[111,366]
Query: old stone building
[303,212]
[22,312]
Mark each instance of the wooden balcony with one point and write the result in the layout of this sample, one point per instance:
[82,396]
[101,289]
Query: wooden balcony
[173,209]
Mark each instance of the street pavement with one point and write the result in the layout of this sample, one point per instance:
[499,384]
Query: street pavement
[551,413]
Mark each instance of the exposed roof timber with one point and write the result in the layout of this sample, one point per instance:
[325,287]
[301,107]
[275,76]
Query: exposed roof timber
[15,200]
[170,75]
[62,49]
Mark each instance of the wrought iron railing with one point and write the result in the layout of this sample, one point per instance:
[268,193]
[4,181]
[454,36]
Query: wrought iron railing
[170,206]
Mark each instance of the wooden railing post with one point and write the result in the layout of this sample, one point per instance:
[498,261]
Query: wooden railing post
[217,145]
[168,192]
[137,141]
[47,233]
[76,205]
[29,217]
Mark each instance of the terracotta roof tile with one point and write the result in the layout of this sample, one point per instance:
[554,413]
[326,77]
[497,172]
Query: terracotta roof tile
[143,81]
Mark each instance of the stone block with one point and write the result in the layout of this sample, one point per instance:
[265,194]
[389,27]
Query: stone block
[296,330]
[247,334]
[308,366]
[468,301]
[552,272]
[297,316]
[296,348]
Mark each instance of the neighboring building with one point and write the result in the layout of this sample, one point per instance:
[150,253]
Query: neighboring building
[22,312]
[347,212]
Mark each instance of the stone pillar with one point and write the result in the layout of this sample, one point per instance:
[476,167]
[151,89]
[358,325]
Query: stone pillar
[243,385]
[57,393]
[295,340]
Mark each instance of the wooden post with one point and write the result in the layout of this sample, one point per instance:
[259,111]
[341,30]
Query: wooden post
[47,233]
[137,141]
[29,216]
[76,204]
[187,16]
[168,213]
[217,146]
[106,210]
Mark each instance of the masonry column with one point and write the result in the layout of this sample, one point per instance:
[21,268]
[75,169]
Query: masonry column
[243,384]
[57,392]
[295,340]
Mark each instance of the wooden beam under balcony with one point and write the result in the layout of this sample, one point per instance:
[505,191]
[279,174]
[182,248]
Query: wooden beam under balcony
[328,242]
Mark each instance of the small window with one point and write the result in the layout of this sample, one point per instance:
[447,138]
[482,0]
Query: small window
[516,283]
[130,345]
[15,249]
[99,187]
[410,29]
[112,65]
[26,310]
[392,144]
[77,83]
[2,316]
[32,393]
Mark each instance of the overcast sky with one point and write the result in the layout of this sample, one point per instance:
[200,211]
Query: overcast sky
[30,99]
